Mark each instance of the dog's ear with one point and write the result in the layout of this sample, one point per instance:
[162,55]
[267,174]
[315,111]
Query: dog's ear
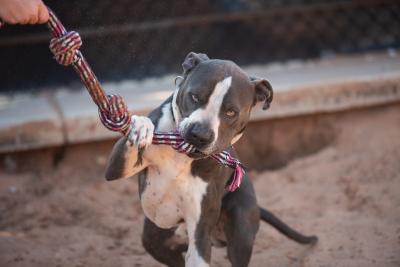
[263,91]
[192,60]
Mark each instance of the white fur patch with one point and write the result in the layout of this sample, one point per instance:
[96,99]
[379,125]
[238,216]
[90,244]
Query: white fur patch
[192,219]
[172,193]
[175,109]
[141,134]
[166,120]
[193,259]
[210,113]
[236,138]
[181,231]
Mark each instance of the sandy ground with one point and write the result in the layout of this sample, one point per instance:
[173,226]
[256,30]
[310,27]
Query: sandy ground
[348,194]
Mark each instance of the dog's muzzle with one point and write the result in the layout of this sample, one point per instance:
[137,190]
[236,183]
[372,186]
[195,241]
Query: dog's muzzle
[199,135]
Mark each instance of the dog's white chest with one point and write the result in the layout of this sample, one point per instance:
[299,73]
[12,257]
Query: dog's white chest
[172,193]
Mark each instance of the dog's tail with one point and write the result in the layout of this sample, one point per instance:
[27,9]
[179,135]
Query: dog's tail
[282,227]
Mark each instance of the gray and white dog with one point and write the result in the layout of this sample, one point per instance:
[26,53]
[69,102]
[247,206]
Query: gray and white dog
[184,197]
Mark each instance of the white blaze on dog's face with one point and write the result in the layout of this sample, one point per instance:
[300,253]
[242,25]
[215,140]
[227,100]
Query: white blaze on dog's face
[213,102]
[201,126]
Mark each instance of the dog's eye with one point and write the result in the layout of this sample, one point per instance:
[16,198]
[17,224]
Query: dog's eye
[194,98]
[230,113]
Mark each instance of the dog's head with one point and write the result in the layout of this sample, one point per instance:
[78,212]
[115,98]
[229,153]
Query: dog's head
[213,101]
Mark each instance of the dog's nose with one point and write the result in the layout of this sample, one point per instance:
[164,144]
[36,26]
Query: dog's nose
[199,135]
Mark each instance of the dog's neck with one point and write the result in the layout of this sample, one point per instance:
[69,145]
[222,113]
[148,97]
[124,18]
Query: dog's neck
[168,121]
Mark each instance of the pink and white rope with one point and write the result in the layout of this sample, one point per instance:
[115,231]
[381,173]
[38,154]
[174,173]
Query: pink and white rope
[175,140]
[113,111]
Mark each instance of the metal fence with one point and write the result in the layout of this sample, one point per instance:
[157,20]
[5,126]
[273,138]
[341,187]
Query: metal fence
[136,39]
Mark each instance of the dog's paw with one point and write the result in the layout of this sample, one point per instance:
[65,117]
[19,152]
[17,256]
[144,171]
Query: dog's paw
[141,134]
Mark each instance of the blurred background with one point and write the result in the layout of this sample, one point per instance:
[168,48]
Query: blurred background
[135,40]
[325,157]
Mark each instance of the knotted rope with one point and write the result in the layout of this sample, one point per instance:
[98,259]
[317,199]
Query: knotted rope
[65,46]
[113,111]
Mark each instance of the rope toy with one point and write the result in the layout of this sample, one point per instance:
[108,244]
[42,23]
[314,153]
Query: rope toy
[113,111]
[65,46]
[175,140]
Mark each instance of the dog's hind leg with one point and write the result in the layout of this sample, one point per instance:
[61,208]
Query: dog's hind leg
[240,231]
[161,244]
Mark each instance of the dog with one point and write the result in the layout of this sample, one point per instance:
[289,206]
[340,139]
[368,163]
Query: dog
[184,197]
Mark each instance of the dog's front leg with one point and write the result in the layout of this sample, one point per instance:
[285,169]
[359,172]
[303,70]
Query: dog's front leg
[199,249]
[123,161]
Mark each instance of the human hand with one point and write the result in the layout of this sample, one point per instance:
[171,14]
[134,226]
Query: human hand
[23,11]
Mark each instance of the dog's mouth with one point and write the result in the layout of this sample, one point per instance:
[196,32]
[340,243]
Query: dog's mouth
[198,153]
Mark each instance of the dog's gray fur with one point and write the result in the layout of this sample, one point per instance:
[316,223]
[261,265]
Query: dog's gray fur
[184,197]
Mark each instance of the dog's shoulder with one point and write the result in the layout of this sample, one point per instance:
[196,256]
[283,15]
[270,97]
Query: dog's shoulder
[157,115]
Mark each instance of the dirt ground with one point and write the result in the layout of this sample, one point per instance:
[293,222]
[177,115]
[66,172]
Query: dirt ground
[348,194]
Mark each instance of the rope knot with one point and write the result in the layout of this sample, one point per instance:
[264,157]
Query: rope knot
[116,117]
[65,48]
